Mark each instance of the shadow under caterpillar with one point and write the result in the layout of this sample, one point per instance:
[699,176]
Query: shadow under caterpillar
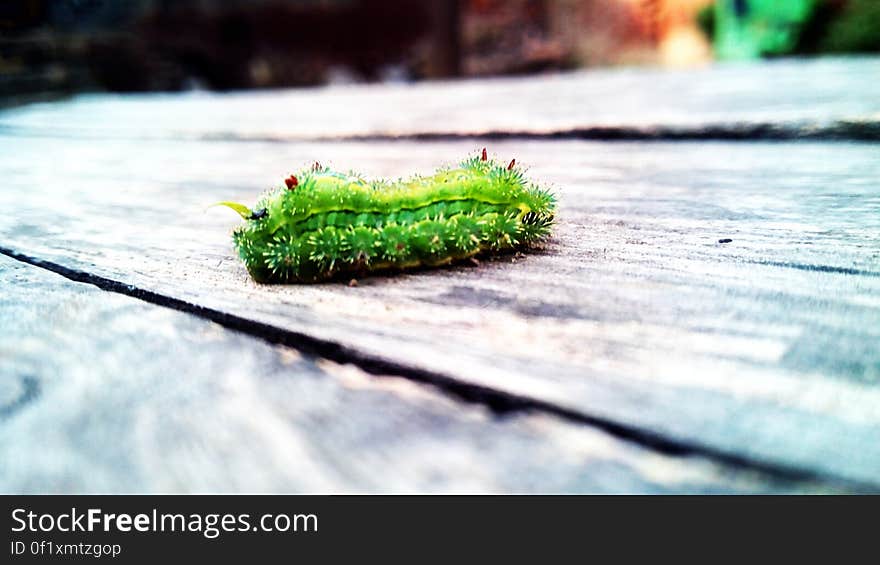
[323,223]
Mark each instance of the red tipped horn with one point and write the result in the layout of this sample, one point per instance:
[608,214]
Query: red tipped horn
[512,164]
[291,182]
[484,156]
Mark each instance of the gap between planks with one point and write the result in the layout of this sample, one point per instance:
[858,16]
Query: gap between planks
[497,401]
[835,131]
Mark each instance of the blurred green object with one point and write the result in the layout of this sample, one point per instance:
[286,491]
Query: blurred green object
[747,29]
[856,30]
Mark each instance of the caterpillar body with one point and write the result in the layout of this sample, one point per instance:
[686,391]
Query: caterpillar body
[325,224]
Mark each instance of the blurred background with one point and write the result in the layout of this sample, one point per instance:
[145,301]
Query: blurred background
[50,48]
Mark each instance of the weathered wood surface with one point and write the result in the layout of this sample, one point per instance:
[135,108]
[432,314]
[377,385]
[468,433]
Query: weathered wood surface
[826,97]
[104,393]
[759,354]
[763,349]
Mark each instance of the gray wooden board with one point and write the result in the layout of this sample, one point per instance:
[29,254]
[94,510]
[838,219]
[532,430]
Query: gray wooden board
[804,94]
[764,348]
[104,393]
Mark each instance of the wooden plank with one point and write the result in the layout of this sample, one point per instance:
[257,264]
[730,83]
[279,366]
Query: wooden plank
[104,393]
[802,97]
[763,348]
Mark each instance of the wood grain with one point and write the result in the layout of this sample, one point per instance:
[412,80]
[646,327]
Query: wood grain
[104,393]
[840,97]
[762,348]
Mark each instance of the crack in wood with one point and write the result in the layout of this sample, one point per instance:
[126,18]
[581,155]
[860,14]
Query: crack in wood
[821,268]
[867,130]
[499,402]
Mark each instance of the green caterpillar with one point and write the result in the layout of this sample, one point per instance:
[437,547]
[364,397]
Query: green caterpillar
[324,224]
